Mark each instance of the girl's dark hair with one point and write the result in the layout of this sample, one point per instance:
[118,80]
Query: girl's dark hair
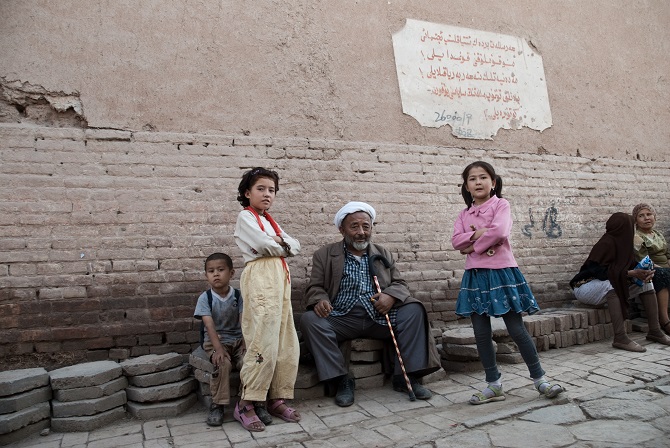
[249,179]
[467,197]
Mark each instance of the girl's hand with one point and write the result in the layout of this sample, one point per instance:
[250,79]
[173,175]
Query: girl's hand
[277,239]
[468,250]
[478,233]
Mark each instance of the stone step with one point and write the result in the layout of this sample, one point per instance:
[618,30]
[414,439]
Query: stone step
[23,400]
[162,409]
[162,392]
[90,392]
[16,381]
[87,407]
[146,364]
[84,375]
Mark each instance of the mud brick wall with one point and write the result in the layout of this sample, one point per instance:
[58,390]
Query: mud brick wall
[103,232]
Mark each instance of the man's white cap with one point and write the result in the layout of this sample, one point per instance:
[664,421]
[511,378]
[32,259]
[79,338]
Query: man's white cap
[353,207]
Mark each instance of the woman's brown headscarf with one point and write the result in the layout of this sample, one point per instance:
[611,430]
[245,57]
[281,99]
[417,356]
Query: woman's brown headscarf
[615,250]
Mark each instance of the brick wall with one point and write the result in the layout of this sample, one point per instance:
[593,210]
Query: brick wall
[103,233]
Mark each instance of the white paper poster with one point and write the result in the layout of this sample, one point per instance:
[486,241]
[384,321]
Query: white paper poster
[475,81]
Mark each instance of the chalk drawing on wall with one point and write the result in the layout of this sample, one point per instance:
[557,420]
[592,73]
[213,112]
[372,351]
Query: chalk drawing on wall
[475,81]
[550,225]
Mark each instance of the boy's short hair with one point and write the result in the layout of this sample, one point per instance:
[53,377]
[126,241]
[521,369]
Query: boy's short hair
[220,256]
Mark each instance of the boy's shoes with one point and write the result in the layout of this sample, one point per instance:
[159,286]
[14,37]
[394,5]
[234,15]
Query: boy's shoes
[345,392]
[262,413]
[400,385]
[215,417]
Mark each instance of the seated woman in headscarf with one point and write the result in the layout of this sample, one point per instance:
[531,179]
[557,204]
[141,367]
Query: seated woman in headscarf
[606,276]
[651,242]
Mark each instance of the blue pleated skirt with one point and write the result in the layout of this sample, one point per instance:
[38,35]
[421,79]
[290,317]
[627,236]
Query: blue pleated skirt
[495,292]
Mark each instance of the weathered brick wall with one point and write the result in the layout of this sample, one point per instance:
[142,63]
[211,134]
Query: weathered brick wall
[103,233]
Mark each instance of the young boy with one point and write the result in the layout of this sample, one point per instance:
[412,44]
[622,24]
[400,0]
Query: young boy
[223,336]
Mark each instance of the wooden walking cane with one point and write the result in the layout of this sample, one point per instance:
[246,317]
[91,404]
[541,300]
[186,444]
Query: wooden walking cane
[410,391]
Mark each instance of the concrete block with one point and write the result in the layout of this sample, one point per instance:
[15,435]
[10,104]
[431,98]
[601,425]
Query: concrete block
[87,407]
[203,389]
[84,375]
[166,376]
[639,324]
[464,351]
[87,423]
[562,322]
[163,409]
[576,319]
[507,348]
[365,370]
[499,329]
[366,356]
[16,381]
[202,376]
[460,366]
[462,336]
[584,319]
[581,336]
[558,338]
[86,393]
[434,377]
[307,377]
[602,316]
[608,331]
[598,332]
[509,358]
[151,364]
[547,325]
[370,382]
[23,400]
[199,360]
[363,345]
[309,393]
[24,417]
[162,392]
[25,432]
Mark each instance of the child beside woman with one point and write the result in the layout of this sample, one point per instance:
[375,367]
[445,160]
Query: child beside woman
[492,285]
[270,365]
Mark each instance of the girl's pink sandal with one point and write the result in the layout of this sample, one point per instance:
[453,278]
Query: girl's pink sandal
[289,415]
[247,421]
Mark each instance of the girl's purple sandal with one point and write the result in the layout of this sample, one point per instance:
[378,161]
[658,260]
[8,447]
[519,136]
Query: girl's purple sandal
[246,422]
[289,415]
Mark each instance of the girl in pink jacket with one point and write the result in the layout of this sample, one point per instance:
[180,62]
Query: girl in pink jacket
[492,284]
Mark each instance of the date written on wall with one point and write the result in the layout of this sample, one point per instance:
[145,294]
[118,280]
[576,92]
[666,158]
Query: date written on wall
[458,121]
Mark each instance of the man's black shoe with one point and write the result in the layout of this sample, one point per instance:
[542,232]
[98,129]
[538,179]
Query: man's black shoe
[262,413]
[215,417]
[345,392]
[399,385]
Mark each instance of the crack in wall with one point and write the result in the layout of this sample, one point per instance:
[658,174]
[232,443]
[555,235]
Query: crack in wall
[22,102]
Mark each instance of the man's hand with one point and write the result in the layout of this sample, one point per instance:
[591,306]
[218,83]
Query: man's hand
[323,308]
[383,302]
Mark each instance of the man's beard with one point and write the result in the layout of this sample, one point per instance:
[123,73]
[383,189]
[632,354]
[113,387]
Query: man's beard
[355,244]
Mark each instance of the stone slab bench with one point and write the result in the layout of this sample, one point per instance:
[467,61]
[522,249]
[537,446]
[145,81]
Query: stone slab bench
[549,329]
